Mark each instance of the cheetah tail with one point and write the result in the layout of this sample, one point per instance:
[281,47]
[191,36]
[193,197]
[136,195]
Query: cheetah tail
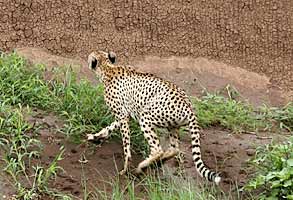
[196,154]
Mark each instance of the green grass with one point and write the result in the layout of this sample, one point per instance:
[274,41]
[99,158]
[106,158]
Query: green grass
[16,141]
[155,187]
[241,117]
[81,106]
[19,85]
[231,114]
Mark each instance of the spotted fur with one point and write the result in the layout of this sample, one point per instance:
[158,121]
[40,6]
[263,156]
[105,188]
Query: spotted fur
[153,102]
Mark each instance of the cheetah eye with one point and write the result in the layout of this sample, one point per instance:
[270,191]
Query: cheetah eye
[94,64]
[112,57]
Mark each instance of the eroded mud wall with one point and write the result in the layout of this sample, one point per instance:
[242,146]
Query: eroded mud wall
[253,34]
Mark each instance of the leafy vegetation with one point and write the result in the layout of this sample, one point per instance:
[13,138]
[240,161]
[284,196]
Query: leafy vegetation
[274,176]
[19,85]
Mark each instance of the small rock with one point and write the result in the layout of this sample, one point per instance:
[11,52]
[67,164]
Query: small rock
[250,152]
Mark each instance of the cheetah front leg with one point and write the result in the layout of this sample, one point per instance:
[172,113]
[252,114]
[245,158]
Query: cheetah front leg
[154,143]
[105,132]
[126,144]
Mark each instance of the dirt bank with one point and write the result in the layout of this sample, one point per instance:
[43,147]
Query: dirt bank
[254,35]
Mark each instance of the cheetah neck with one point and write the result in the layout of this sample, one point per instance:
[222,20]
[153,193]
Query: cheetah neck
[109,72]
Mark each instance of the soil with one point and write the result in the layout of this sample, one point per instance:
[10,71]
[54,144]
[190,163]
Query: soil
[222,150]
[6,188]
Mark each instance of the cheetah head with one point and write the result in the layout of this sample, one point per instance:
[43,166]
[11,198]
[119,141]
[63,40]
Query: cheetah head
[98,58]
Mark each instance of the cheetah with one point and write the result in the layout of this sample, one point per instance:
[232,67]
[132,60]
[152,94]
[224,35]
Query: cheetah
[153,102]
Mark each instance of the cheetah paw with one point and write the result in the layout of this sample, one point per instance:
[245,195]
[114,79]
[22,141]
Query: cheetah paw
[90,137]
[138,171]
[102,135]
[123,172]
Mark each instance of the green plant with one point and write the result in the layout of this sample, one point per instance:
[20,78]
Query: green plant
[42,175]
[83,108]
[274,175]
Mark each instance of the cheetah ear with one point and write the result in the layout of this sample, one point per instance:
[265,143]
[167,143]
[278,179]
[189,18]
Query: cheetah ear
[93,63]
[112,57]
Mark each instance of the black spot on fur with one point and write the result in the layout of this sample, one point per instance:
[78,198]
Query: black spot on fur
[199,165]
[196,159]
[211,175]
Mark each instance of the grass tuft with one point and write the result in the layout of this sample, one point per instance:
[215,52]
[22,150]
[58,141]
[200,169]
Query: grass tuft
[156,188]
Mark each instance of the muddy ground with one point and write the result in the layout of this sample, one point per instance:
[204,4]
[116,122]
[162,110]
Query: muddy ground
[97,165]
[221,149]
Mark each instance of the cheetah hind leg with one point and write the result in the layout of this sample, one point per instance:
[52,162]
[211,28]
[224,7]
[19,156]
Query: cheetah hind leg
[150,160]
[173,149]
[155,148]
